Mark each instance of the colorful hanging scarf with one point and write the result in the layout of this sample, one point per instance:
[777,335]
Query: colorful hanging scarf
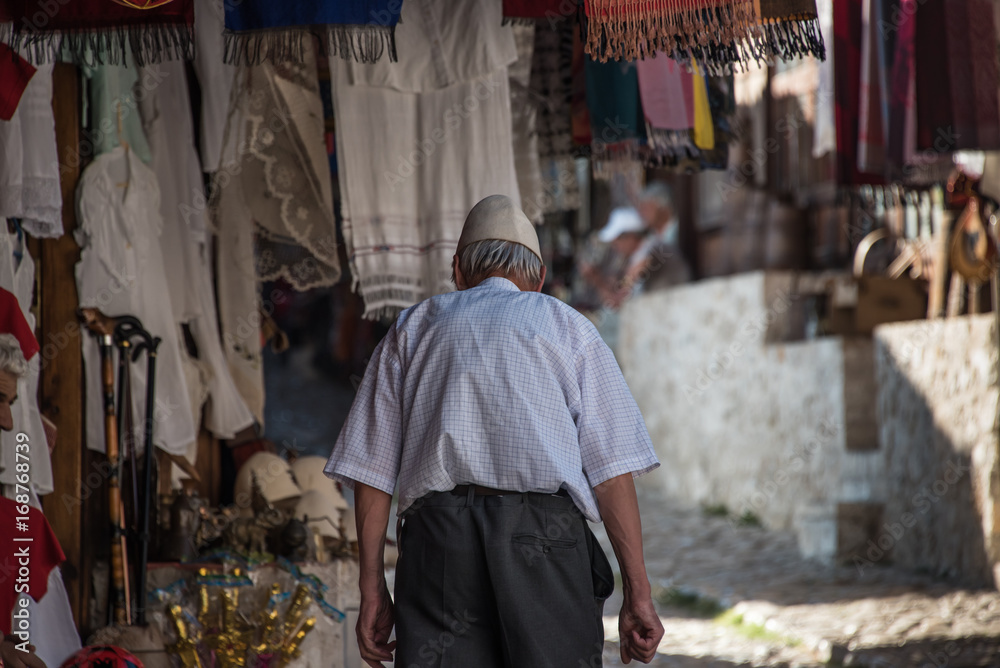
[266,31]
[98,31]
[538,9]
[871,132]
[791,28]
[717,33]
[847,83]
[667,93]
[616,122]
[551,89]
[15,73]
[901,124]
[956,76]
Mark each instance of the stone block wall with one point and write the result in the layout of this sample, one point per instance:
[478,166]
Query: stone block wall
[937,406]
[742,418]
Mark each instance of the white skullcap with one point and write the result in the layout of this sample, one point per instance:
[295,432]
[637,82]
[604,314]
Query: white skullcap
[496,217]
[621,221]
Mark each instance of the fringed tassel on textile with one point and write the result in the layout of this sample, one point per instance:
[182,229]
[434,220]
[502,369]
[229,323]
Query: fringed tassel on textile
[795,38]
[147,44]
[628,32]
[265,46]
[668,147]
[363,44]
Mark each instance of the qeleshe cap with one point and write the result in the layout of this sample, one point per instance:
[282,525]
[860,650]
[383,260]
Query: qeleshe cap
[496,217]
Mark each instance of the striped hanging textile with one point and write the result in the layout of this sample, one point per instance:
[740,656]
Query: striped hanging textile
[98,31]
[260,31]
[717,33]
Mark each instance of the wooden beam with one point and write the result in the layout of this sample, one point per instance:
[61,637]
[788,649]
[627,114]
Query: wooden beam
[62,364]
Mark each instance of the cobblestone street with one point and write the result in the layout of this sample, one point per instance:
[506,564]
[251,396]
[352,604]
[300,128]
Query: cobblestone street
[742,596]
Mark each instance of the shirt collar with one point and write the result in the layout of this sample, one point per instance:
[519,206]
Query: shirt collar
[498,283]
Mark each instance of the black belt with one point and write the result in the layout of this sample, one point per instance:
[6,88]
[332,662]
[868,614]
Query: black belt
[479,490]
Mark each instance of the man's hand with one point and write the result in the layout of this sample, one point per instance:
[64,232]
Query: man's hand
[375,621]
[15,658]
[376,616]
[639,626]
[639,629]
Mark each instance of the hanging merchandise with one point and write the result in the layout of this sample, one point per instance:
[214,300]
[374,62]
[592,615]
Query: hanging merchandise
[791,28]
[215,76]
[901,122]
[704,133]
[239,295]
[15,73]
[121,271]
[871,131]
[825,128]
[186,253]
[259,31]
[667,93]
[285,173]
[524,117]
[413,163]
[98,31]
[17,278]
[847,51]
[718,33]
[956,76]
[616,125]
[112,108]
[552,94]
[29,162]
[513,10]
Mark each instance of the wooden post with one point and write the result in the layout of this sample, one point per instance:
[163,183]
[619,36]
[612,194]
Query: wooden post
[62,364]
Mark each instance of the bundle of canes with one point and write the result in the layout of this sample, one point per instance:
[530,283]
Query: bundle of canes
[123,332]
[119,606]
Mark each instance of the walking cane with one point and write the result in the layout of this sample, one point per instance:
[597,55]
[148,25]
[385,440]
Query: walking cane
[102,327]
[128,328]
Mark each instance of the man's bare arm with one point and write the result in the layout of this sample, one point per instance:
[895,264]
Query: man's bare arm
[639,626]
[376,616]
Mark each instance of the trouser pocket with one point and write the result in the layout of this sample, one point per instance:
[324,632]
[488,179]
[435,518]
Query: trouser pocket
[600,568]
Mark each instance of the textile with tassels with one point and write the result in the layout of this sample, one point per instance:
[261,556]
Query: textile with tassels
[98,31]
[259,31]
[719,34]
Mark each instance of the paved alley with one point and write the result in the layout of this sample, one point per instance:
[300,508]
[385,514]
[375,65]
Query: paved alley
[741,596]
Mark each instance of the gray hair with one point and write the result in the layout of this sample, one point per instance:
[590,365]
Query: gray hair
[658,192]
[480,259]
[11,359]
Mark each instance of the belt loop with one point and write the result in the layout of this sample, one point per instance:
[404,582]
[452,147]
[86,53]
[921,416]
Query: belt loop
[471,496]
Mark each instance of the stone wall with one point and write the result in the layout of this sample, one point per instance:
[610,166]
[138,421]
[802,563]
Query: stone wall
[784,430]
[937,404]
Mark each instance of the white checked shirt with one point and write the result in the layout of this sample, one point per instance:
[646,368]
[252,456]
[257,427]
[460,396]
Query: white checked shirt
[496,387]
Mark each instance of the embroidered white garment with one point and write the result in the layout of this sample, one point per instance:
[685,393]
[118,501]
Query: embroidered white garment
[239,300]
[412,165]
[18,278]
[29,163]
[216,79]
[121,272]
[441,43]
[166,113]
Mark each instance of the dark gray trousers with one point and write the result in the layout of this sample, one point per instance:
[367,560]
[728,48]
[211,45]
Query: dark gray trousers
[513,581]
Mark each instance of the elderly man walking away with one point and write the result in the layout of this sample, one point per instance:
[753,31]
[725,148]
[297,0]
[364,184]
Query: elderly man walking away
[506,424]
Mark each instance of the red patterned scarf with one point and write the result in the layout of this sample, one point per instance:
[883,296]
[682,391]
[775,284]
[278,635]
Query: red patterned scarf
[99,31]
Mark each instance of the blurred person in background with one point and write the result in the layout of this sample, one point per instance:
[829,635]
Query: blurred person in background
[657,263]
[625,234]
